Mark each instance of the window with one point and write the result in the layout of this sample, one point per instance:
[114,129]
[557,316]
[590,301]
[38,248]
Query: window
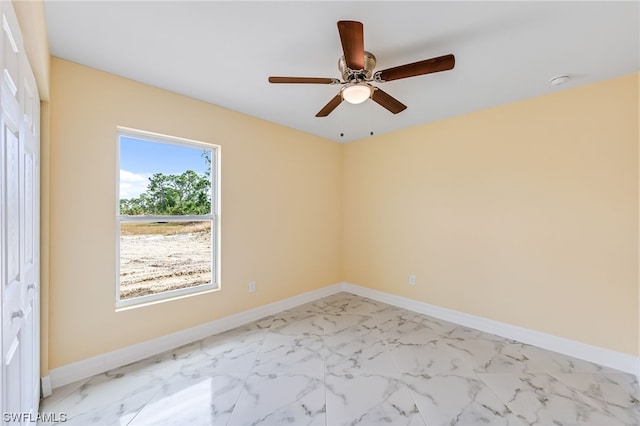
[167,217]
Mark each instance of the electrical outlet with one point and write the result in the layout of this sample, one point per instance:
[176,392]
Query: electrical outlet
[252,287]
[412,280]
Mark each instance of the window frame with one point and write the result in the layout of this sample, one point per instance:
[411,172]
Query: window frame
[213,217]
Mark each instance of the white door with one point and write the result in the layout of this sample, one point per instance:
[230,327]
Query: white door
[19,220]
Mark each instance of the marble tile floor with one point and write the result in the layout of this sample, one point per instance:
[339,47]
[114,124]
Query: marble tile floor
[348,360]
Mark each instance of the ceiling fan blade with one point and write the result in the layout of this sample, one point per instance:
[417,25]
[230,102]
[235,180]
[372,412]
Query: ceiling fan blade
[441,63]
[304,80]
[333,103]
[352,38]
[387,101]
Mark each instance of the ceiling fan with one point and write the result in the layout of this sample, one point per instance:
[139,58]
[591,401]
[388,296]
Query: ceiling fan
[356,67]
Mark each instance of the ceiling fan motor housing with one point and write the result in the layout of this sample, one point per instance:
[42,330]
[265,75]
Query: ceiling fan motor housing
[358,75]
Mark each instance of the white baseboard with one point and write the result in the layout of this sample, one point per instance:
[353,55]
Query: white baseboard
[606,357]
[45,386]
[99,364]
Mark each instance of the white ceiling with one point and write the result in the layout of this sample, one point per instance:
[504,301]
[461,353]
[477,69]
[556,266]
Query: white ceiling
[223,52]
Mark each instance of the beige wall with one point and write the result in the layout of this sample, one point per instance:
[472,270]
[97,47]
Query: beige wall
[525,213]
[281,210]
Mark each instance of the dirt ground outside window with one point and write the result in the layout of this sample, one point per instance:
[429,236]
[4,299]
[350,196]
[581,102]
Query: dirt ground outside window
[157,257]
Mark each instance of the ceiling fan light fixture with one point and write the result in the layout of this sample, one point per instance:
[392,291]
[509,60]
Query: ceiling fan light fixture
[356,93]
